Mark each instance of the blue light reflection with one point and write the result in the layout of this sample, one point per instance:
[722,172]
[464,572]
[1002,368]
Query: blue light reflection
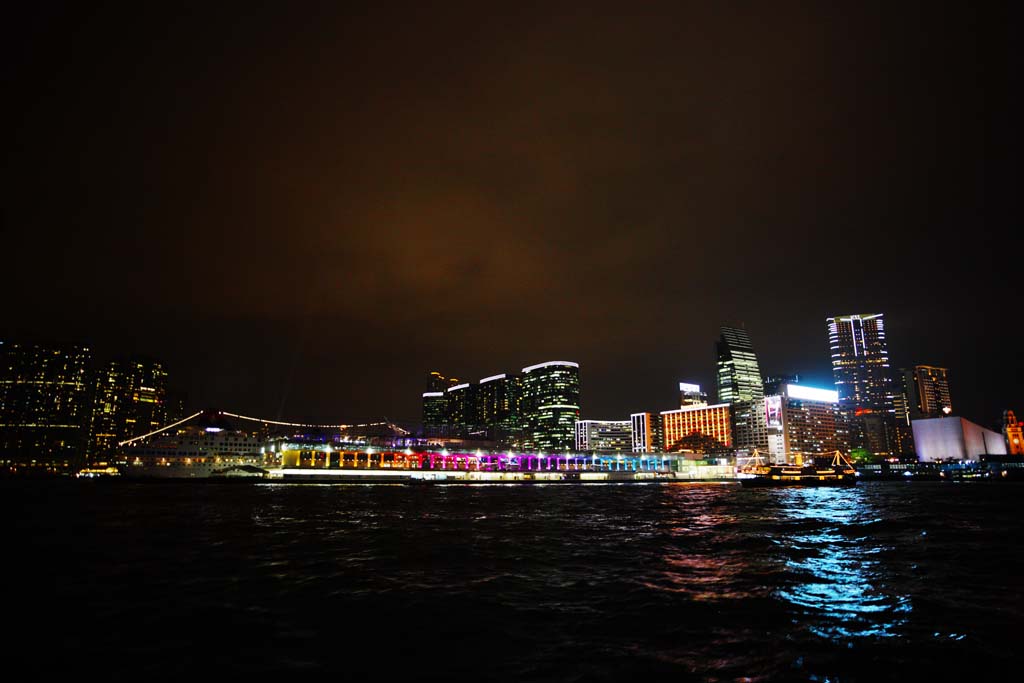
[839,582]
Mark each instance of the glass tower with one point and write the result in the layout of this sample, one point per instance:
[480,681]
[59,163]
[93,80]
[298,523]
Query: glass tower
[130,400]
[551,405]
[739,384]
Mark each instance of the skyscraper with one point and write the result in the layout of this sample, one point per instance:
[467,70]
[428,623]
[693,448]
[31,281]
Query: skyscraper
[926,389]
[739,384]
[860,367]
[551,405]
[130,399]
[44,406]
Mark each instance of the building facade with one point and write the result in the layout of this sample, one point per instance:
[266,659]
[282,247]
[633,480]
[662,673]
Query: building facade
[738,378]
[926,391]
[945,439]
[44,406]
[801,423]
[604,436]
[698,429]
[130,399]
[691,395]
[647,433]
[860,368]
[551,405]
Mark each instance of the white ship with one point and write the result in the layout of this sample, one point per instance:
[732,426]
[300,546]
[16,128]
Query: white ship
[195,453]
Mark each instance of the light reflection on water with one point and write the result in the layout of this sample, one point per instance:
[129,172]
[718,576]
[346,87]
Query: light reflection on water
[841,582]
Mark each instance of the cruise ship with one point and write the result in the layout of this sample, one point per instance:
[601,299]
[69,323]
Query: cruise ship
[194,453]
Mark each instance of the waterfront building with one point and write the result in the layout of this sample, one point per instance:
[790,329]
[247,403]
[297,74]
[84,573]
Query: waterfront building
[698,429]
[460,409]
[943,439]
[647,432]
[801,423]
[498,406]
[130,399]
[738,377]
[435,413]
[44,406]
[604,436]
[551,405]
[925,390]
[691,395]
[860,367]
[1012,434]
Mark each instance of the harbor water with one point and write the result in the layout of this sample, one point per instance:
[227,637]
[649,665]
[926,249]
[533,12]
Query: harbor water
[597,582]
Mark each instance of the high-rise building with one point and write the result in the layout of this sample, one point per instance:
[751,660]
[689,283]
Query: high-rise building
[860,367]
[801,423]
[604,436]
[435,410]
[44,406]
[926,391]
[691,395]
[860,361]
[699,429]
[551,405]
[647,431]
[536,409]
[130,399]
[739,384]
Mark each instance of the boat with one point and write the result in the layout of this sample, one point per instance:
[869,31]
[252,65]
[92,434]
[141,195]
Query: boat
[195,453]
[839,472]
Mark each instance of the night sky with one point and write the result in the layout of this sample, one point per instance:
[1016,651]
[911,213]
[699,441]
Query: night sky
[303,209]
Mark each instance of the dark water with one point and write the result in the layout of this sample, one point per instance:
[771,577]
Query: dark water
[888,581]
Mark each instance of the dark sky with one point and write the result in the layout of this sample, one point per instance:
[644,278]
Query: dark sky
[303,209]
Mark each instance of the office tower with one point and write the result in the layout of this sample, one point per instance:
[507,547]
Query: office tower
[647,432]
[551,405]
[44,406]
[460,409]
[860,361]
[498,407]
[698,429]
[435,411]
[739,384]
[801,423]
[926,391]
[604,436]
[691,395]
[860,366]
[130,399]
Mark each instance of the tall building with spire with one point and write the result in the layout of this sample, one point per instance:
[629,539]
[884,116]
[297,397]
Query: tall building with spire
[863,379]
[738,377]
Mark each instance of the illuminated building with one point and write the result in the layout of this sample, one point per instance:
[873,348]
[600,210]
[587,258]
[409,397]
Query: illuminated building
[941,439]
[860,367]
[435,408]
[801,423]
[130,399]
[460,409]
[691,395]
[44,406]
[498,406]
[551,405]
[604,436]
[1012,434]
[739,384]
[926,391]
[647,432]
[700,429]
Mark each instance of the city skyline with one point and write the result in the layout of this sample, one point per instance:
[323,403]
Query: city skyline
[308,235]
